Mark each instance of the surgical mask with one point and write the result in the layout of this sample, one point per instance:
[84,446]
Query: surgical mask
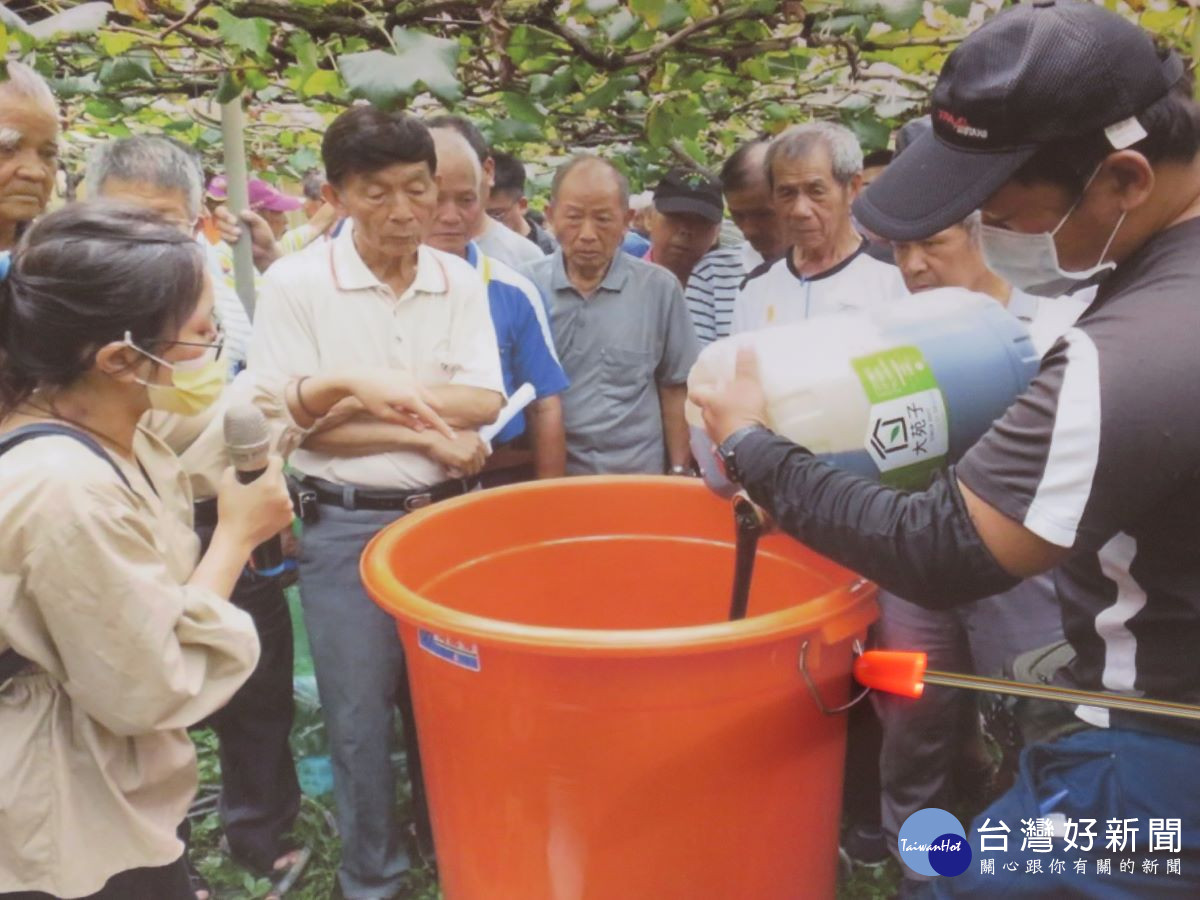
[1030,261]
[195,383]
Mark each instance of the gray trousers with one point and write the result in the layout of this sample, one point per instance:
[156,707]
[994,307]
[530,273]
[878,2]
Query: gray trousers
[922,738]
[359,664]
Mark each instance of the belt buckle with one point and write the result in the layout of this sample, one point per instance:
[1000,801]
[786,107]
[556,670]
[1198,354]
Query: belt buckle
[418,501]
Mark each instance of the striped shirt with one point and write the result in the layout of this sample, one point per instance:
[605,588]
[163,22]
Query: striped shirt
[711,290]
[1102,455]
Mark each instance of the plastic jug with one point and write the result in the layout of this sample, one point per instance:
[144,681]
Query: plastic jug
[893,393]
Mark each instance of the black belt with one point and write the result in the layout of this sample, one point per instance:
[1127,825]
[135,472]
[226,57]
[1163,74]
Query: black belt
[349,497]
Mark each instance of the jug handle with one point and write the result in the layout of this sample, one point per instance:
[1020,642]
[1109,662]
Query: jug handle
[816,694]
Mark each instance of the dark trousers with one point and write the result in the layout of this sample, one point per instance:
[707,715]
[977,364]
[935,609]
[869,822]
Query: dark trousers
[260,795]
[161,883]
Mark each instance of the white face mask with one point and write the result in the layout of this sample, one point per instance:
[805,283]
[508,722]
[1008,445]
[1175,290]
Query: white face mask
[1030,261]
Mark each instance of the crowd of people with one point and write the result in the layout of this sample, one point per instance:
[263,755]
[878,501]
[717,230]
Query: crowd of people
[418,294]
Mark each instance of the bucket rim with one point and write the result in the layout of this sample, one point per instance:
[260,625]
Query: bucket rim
[836,614]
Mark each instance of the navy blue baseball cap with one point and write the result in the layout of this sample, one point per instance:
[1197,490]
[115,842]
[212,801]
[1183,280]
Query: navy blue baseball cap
[1035,74]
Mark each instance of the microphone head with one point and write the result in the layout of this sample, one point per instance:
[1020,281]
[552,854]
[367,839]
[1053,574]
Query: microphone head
[247,437]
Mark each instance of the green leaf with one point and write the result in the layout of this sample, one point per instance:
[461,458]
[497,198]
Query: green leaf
[124,70]
[608,92]
[845,24]
[304,159]
[307,54]
[250,35]
[599,7]
[512,131]
[695,151]
[870,131]
[322,81]
[561,83]
[960,8]
[386,78]
[901,14]
[257,79]
[104,108]
[74,87]
[114,43]
[522,108]
[673,15]
[658,126]
[650,10]
[622,26]
[435,58]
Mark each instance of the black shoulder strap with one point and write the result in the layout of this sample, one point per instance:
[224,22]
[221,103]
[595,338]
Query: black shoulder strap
[11,662]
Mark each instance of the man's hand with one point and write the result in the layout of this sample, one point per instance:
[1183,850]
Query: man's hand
[463,455]
[729,406]
[393,395]
[262,239]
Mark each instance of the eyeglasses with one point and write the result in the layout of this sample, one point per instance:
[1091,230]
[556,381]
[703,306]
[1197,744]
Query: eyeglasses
[218,344]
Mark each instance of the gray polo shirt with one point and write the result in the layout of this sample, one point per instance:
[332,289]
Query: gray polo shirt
[617,346]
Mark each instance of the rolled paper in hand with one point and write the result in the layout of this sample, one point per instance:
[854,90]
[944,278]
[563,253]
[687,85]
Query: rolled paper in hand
[521,398]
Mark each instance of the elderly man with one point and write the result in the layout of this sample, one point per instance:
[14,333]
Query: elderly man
[621,329]
[518,314]
[161,174]
[1080,143]
[28,150]
[376,295]
[260,795]
[496,240]
[815,172]
[685,221]
[717,278]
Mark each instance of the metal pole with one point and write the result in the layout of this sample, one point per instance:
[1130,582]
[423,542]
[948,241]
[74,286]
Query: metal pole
[1061,694]
[233,142]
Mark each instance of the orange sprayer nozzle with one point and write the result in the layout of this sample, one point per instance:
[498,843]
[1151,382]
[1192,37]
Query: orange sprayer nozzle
[892,671]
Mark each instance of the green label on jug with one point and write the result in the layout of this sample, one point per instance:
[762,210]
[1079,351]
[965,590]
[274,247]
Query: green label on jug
[908,435]
[894,373]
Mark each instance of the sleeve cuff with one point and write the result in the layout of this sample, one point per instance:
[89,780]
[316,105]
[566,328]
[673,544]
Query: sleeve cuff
[758,457]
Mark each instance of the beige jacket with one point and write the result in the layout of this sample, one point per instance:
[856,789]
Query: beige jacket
[96,768]
[199,441]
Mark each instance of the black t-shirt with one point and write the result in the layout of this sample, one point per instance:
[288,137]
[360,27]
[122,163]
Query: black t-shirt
[1102,454]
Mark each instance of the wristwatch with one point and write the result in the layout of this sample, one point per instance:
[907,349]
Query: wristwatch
[728,447]
[682,470]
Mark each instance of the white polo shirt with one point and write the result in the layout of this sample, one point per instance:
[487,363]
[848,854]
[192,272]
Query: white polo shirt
[776,294]
[324,311]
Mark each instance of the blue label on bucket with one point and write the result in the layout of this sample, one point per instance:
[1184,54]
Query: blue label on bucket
[465,656]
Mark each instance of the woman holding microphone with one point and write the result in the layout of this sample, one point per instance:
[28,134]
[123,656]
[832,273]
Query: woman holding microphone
[113,638]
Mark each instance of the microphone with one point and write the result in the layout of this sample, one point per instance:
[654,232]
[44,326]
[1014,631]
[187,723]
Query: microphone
[248,443]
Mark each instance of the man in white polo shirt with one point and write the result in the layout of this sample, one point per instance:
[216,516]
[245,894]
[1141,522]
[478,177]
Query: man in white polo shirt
[814,172]
[375,296]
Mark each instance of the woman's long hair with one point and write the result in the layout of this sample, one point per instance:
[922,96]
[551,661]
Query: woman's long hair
[80,278]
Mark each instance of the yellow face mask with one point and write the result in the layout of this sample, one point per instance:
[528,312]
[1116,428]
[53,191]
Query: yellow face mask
[195,383]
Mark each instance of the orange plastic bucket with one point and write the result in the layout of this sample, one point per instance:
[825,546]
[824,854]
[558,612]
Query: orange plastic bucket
[590,724]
